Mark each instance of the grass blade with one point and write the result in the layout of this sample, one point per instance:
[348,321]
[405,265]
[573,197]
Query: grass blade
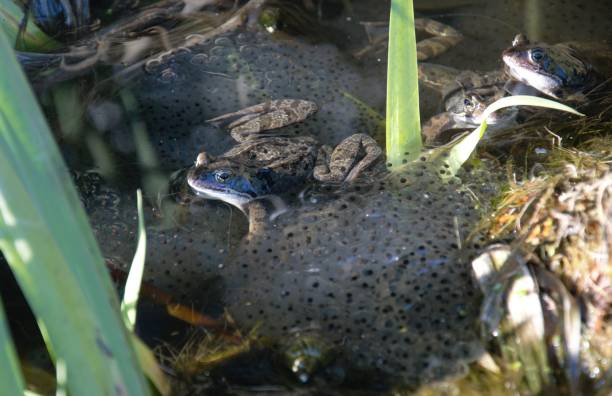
[461,150]
[129,304]
[134,279]
[403,121]
[47,241]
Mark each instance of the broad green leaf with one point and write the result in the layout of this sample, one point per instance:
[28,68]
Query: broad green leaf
[11,380]
[47,241]
[461,151]
[403,121]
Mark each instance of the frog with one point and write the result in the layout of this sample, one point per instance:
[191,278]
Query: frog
[443,38]
[563,71]
[465,93]
[265,162]
[465,96]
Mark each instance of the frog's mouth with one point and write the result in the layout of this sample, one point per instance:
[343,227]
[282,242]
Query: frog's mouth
[519,67]
[233,197]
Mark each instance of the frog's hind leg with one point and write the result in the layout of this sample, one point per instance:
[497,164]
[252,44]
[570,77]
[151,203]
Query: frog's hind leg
[261,117]
[343,163]
[444,38]
[232,120]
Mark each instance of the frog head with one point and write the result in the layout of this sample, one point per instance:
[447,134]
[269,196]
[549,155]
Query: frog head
[228,181]
[467,107]
[555,70]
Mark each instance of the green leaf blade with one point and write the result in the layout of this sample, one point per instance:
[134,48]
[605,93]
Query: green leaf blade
[46,239]
[403,120]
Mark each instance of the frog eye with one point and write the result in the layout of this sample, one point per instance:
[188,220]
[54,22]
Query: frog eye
[467,103]
[536,55]
[222,176]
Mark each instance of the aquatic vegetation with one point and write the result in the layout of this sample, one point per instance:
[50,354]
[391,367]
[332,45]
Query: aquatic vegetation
[62,17]
[568,227]
[205,351]
[560,223]
[48,243]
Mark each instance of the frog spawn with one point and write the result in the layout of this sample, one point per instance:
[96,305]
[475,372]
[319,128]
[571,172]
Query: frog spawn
[180,92]
[377,271]
[184,250]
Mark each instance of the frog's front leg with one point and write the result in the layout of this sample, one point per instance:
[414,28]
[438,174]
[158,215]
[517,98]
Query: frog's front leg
[343,163]
[443,38]
[248,123]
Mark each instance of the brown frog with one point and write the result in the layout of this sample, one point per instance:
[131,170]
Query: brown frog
[266,163]
[564,71]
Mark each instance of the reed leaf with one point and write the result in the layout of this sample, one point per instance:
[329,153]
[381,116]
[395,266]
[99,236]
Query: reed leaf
[403,121]
[47,241]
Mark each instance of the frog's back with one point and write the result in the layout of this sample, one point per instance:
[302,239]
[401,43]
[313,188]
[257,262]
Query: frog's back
[597,53]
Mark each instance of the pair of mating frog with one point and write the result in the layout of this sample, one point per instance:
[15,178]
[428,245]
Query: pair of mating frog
[266,163]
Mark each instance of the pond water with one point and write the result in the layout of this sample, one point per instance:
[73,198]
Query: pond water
[377,271]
